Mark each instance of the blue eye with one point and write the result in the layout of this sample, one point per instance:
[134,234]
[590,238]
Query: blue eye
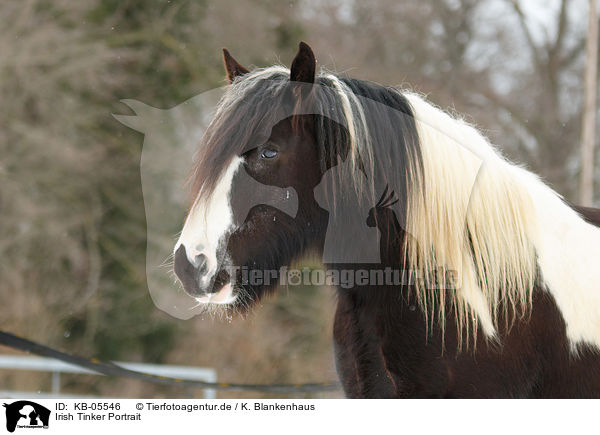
[268,154]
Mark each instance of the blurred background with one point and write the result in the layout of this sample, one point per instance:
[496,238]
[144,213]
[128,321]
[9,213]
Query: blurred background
[72,222]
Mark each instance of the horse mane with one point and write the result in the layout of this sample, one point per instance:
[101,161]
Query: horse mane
[473,218]
[476,227]
[502,229]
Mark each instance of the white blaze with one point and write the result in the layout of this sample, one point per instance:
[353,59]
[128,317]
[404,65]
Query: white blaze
[208,222]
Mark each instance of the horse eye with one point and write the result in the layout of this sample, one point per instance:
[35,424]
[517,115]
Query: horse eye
[268,154]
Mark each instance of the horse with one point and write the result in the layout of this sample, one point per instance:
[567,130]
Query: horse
[499,293]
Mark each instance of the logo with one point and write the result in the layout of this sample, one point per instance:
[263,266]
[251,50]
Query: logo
[26,414]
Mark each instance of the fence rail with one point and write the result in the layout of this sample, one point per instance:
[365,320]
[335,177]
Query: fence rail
[56,367]
[109,368]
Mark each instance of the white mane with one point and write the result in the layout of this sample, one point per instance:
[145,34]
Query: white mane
[495,223]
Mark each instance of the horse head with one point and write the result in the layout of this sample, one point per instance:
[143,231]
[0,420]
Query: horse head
[258,163]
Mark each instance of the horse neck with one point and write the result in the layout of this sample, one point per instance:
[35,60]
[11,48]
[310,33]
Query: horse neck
[391,237]
[568,249]
[391,257]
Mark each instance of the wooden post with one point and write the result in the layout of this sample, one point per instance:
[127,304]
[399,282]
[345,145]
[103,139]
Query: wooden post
[586,181]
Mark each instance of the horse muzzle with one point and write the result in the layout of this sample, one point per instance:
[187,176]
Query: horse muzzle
[199,282]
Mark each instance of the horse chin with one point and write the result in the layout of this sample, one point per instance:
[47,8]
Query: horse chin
[225,296]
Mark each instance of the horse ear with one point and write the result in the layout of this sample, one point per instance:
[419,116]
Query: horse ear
[232,67]
[304,65]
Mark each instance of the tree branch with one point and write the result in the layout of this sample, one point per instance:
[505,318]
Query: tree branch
[526,31]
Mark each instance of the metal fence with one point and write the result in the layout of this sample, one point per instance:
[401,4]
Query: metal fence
[55,367]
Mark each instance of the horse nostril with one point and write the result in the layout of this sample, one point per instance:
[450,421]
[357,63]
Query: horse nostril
[186,272]
[202,261]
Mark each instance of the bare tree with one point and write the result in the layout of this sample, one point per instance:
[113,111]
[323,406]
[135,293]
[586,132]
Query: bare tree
[457,52]
[586,180]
